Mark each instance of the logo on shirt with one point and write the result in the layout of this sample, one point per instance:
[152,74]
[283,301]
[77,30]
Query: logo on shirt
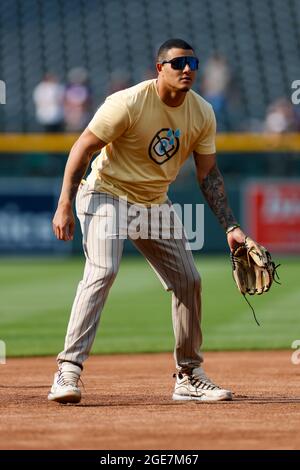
[164,145]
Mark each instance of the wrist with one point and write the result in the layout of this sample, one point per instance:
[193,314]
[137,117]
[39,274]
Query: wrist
[65,203]
[232,227]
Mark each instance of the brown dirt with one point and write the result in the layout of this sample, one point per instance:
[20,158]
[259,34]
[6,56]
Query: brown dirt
[127,405]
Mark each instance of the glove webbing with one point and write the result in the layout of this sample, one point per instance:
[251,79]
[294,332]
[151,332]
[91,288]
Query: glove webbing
[274,279]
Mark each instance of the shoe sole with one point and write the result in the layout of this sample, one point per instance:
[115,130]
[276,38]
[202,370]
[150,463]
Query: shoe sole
[203,398]
[65,398]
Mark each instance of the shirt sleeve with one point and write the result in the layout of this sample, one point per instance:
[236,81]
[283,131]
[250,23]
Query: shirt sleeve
[111,120]
[206,144]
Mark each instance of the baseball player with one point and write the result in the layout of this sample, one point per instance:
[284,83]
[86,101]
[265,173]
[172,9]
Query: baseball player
[145,134]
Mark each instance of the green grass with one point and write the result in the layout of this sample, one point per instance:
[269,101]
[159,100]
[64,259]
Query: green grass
[36,297]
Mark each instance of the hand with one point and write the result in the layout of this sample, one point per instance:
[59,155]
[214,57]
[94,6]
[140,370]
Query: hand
[235,237]
[64,222]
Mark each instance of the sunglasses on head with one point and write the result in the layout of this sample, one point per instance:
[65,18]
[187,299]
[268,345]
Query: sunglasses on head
[178,63]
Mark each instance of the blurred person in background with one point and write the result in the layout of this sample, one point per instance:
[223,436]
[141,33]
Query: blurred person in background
[119,80]
[215,87]
[48,97]
[281,117]
[77,100]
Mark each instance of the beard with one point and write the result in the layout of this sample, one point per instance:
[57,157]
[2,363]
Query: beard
[185,89]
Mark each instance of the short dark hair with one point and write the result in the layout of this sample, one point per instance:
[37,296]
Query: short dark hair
[170,44]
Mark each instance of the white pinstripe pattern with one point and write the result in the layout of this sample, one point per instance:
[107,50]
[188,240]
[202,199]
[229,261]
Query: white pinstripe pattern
[169,258]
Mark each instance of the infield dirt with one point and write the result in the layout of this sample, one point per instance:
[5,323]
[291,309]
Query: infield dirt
[127,405]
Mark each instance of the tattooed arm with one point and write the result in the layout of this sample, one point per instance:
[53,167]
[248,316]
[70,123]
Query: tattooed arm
[212,186]
[78,161]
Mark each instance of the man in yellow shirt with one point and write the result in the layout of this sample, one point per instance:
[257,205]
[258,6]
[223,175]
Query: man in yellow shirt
[145,134]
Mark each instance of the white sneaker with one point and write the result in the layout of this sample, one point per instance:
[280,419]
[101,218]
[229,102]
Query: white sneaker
[65,385]
[197,386]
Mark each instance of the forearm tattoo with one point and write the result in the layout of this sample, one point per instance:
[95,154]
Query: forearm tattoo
[74,173]
[214,192]
[75,181]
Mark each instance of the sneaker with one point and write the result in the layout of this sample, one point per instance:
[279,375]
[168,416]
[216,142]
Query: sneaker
[197,386]
[65,385]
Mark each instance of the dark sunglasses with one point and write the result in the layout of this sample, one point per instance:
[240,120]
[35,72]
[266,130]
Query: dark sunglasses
[178,63]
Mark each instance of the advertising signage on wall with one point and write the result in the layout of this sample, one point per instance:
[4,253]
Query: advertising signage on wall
[26,210]
[272,211]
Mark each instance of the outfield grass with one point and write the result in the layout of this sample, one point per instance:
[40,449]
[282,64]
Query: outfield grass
[36,296]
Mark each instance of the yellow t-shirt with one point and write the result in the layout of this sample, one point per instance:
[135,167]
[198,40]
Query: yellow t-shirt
[147,141]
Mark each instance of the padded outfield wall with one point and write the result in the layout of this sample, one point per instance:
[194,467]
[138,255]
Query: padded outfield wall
[261,172]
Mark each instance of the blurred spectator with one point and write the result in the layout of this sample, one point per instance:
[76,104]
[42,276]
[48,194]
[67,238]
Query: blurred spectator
[215,88]
[281,117]
[119,80]
[48,98]
[77,102]
[148,73]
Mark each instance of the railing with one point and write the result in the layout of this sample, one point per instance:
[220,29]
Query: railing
[233,142]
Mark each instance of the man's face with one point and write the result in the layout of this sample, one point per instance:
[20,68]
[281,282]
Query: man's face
[180,80]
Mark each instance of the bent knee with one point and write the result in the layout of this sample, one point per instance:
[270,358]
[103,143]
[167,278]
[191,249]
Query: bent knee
[194,280]
[190,281]
[109,273]
[101,275]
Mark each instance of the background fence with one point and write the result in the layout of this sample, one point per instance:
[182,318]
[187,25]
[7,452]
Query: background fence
[262,177]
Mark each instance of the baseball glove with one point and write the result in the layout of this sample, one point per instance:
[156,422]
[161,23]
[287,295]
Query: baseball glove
[253,269]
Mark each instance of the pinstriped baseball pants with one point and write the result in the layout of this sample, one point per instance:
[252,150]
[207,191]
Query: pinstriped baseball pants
[101,225]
